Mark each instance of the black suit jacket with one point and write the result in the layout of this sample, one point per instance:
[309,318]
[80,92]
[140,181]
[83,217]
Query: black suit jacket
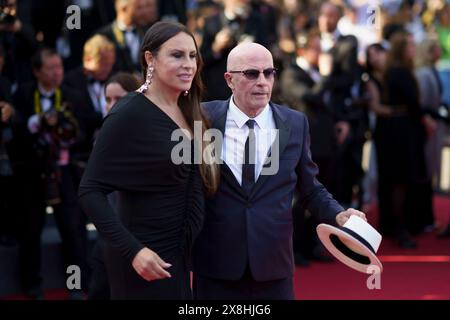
[301,92]
[256,230]
[123,55]
[89,118]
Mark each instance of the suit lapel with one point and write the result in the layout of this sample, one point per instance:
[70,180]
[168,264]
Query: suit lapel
[283,133]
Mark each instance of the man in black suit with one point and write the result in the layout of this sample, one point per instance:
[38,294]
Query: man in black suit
[343,89]
[47,129]
[299,83]
[244,250]
[89,79]
[18,41]
[127,39]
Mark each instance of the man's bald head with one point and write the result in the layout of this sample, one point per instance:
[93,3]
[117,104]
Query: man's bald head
[243,55]
[250,94]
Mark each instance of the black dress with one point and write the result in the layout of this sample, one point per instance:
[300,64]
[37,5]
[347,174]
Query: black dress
[399,141]
[159,203]
[401,138]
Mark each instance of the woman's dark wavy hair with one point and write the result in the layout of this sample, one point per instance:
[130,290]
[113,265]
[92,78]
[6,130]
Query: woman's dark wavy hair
[154,38]
[377,47]
[126,80]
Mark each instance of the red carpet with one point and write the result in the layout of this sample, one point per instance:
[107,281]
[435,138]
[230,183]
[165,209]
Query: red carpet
[423,273]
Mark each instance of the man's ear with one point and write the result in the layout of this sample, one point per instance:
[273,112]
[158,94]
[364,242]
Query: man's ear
[228,78]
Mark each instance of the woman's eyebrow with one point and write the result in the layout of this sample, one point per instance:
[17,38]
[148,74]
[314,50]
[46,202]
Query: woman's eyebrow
[182,51]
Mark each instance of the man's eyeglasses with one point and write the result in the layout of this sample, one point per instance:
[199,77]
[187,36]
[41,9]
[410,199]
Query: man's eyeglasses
[253,74]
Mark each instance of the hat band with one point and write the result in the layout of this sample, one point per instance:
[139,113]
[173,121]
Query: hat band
[361,239]
[339,245]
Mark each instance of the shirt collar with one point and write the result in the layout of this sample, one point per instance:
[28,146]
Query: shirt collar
[122,27]
[44,92]
[303,63]
[240,118]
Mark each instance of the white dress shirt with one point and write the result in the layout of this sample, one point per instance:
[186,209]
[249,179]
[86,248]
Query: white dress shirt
[46,101]
[132,41]
[97,93]
[313,73]
[34,122]
[236,133]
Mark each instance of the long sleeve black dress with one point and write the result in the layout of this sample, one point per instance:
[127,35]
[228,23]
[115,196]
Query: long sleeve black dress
[159,204]
[399,142]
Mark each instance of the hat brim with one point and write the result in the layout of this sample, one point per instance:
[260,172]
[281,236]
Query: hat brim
[348,249]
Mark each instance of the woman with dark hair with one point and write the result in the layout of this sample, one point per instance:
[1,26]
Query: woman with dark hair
[118,86]
[375,64]
[159,200]
[375,61]
[399,141]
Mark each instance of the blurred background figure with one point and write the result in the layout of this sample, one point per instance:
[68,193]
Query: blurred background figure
[173,10]
[300,85]
[146,14]
[19,43]
[89,79]
[442,26]
[118,86]
[327,22]
[125,36]
[430,90]
[400,141]
[375,63]
[94,15]
[9,190]
[222,32]
[293,20]
[361,19]
[47,133]
[343,90]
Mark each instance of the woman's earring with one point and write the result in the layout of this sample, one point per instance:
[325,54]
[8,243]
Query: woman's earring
[186,93]
[148,80]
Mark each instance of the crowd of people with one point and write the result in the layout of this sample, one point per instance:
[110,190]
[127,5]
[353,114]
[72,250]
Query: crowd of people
[369,76]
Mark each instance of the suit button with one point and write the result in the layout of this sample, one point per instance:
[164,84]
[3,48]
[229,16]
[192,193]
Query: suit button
[249,204]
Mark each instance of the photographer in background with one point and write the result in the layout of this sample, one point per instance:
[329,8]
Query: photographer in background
[8,191]
[234,24]
[50,130]
[19,42]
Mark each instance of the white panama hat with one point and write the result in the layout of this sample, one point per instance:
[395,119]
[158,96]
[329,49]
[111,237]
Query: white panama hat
[355,243]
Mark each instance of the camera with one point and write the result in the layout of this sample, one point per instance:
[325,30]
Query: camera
[58,132]
[61,125]
[7,16]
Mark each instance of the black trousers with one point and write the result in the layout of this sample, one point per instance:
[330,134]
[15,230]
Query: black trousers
[246,288]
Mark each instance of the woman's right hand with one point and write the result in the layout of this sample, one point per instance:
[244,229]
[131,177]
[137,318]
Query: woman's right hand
[150,266]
